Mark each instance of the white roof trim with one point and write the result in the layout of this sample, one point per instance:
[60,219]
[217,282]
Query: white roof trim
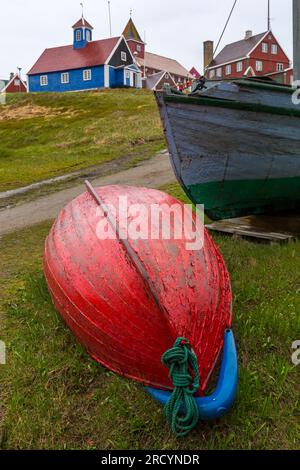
[278,73]
[116,47]
[249,69]
[135,40]
[227,63]
[163,73]
[259,42]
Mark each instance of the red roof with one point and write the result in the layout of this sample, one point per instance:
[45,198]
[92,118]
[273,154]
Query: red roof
[237,50]
[67,58]
[82,23]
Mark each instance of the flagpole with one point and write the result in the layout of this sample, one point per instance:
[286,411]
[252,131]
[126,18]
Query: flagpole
[109,15]
[269,15]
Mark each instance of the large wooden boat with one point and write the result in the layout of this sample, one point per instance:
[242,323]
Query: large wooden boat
[235,147]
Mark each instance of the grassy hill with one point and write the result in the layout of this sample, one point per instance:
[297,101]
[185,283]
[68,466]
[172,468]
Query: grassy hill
[48,135]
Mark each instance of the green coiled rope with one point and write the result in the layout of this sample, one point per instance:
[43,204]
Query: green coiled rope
[181,410]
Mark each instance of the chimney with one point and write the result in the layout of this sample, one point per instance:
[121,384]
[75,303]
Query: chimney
[11,75]
[248,34]
[208,53]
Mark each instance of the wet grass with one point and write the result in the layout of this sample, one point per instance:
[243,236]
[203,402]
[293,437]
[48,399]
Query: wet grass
[56,397]
[47,135]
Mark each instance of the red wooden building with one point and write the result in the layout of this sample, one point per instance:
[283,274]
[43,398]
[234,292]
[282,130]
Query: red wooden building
[258,55]
[166,70]
[14,85]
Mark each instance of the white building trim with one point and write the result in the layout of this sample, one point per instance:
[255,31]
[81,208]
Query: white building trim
[106,76]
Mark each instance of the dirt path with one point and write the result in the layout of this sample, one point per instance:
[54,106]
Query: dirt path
[153,173]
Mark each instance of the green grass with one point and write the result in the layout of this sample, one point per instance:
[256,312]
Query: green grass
[56,397]
[48,135]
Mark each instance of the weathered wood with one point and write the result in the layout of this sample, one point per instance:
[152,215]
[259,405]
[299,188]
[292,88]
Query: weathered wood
[233,160]
[243,91]
[284,229]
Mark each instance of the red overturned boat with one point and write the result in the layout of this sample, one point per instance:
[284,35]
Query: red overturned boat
[128,299]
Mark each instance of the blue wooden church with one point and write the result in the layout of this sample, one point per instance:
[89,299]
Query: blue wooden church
[85,65]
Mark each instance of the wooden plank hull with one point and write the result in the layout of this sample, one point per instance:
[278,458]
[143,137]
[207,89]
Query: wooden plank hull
[108,305]
[235,158]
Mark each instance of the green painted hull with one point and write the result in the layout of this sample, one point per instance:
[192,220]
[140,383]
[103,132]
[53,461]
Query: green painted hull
[236,148]
[229,199]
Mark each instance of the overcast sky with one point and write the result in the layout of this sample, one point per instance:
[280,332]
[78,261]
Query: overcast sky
[174,28]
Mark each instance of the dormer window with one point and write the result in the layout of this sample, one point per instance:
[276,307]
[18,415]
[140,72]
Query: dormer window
[78,35]
[123,56]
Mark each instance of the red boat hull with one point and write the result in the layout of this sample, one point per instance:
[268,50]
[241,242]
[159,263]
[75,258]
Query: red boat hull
[106,303]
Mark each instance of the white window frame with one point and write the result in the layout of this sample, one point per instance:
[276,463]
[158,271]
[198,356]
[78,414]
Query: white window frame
[78,35]
[138,47]
[219,72]
[88,35]
[228,69]
[280,67]
[44,80]
[65,78]
[212,74]
[259,66]
[265,47]
[123,56]
[274,49]
[239,66]
[87,75]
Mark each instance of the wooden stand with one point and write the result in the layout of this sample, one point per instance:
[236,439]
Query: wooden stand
[267,229]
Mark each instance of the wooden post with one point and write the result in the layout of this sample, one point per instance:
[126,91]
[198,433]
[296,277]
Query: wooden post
[296,14]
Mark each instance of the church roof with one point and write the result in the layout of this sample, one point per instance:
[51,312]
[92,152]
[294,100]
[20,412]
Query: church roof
[82,23]
[158,62]
[67,58]
[130,32]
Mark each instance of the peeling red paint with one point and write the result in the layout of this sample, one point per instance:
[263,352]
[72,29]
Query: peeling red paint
[105,302]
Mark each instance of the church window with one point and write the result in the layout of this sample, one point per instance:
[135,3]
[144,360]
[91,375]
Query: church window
[87,75]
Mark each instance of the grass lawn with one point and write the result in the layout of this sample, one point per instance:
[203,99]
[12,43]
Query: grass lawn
[48,135]
[56,397]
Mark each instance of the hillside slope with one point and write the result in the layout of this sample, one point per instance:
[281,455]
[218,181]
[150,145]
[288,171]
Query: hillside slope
[48,135]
